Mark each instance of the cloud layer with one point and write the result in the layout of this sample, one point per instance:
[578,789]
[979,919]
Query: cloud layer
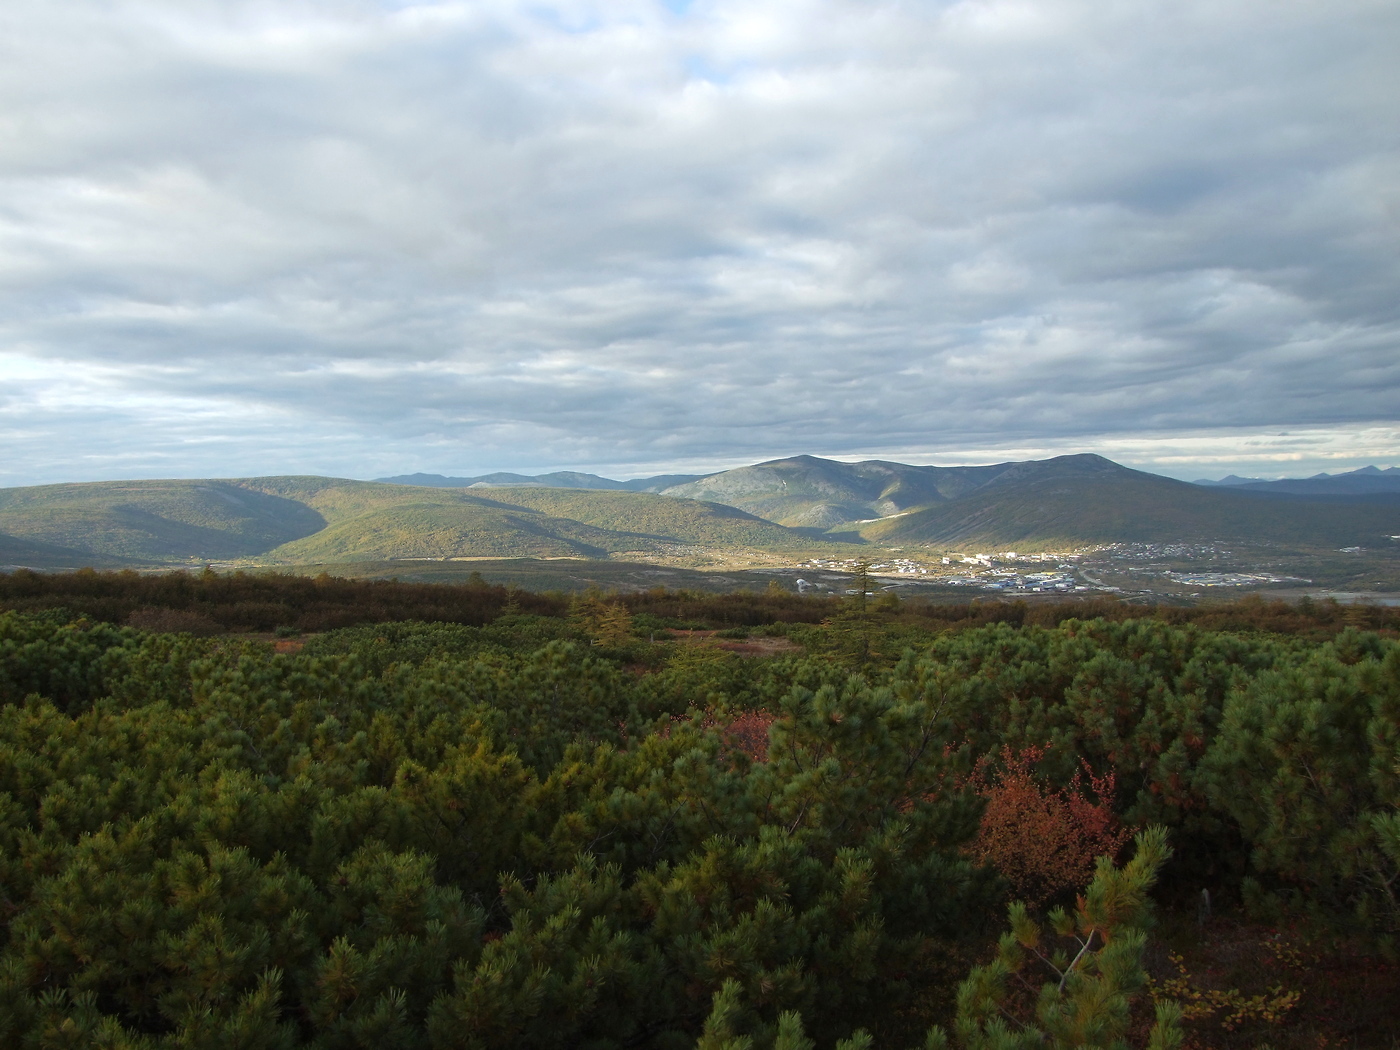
[359,238]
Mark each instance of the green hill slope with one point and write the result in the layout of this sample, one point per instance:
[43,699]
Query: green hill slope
[315,520]
[31,555]
[1063,500]
[454,530]
[805,491]
[298,520]
[523,522]
[559,479]
[1067,499]
[340,499]
[155,520]
[687,520]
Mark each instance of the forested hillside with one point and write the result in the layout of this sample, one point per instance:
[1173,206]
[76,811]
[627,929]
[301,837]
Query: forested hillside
[1129,505]
[1065,500]
[303,520]
[155,520]
[774,513]
[683,520]
[822,493]
[591,823]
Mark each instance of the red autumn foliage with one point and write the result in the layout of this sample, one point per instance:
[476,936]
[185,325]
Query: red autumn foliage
[749,733]
[1043,840]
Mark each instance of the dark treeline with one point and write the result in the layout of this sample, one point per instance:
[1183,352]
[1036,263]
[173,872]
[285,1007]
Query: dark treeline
[204,603]
[209,602]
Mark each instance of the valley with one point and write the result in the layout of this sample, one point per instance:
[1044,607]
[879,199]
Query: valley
[1073,525]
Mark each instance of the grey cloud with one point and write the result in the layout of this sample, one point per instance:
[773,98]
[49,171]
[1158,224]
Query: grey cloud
[360,238]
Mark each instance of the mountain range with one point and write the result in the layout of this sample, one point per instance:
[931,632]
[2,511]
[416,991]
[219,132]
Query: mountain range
[560,479]
[777,509]
[1069,498]
[314,520]
[1366,481]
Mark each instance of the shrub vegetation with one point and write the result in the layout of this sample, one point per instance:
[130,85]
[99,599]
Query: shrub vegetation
[542,824]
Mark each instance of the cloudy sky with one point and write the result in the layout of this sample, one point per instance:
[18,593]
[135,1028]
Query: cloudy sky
[361,238]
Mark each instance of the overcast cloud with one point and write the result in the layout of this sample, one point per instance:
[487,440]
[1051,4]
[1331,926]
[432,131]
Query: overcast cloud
[360,238]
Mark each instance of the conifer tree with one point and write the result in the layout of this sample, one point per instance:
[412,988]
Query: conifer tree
[432,835]
[1093,961]
[1305,764]
[604,622]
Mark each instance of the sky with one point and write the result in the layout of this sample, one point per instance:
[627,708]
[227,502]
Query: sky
[363,238]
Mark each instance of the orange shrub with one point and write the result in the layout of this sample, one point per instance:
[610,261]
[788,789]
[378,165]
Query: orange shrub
[1043,840]
[749,733]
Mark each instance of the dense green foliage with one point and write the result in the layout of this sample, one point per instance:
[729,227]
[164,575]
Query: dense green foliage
[537,830]
[204,840]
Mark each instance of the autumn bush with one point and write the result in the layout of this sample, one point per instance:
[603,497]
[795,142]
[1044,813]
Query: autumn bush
[1044,840]
[749,733]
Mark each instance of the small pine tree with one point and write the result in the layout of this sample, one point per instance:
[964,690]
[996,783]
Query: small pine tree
[604,622]
[1094,966]
[862,582]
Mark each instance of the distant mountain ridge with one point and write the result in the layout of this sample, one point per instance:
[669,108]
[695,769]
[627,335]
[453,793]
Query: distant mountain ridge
[813,493]
[1066,499]
[310,520]
[800,491]
[1371,480]
[1227,480]
[801,504]
[1069,499]
[559,479]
